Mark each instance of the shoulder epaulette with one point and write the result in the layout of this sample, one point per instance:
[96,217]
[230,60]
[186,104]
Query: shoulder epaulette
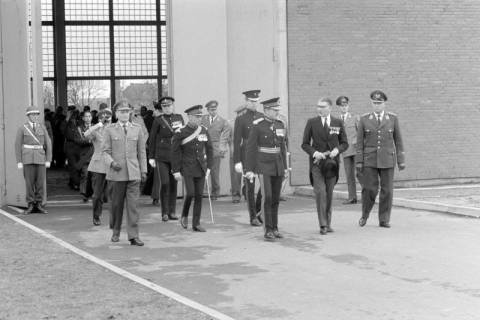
[366,114]
[392,114]
[257,121]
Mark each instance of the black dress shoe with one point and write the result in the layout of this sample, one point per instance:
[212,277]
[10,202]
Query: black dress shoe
[269,236]
[259,216]
[235,201]
[30,209]
[172,217]
[282,198]
[255,222]
[362,222]
[214,198]
[323,230]
[115,238]
[165,217]
[350,201]
[136,242]
[41,209]
[96,221]
[155,202]
[384,224]
[277,234]
[199,229]
[329,229]
[184,222]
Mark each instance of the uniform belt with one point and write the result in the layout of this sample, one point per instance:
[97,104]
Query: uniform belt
[269,150]
[32,146]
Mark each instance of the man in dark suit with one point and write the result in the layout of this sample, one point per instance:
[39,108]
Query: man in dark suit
[324,139]
[159,149]
[379,147]
[241,130]
[192,158]
[266,155]
[125,158]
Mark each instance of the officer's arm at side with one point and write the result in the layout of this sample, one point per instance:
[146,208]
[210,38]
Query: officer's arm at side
[397,139]
[177,152]
[141,153]
[107,148]
[251,153]
[307,137]
[18,145]
[237,139]
[153,139]
[209,151]
[359,147]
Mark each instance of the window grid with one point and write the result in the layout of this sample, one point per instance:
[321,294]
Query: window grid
[163,10]
[137,10]
[46,8]
[135,51]
[87,50]
[163,42]
[48,53]
[86,10]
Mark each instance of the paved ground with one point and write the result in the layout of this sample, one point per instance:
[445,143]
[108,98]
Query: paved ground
[425,267]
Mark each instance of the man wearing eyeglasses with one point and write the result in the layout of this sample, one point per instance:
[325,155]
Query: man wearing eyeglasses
[379,147]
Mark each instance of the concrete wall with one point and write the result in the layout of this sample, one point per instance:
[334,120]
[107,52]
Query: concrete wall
[423,54]
[15,80]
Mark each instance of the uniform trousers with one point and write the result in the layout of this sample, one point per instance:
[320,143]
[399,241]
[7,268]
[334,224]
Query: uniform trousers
[254,203]
[215,175]
[271,187]
[35,183]
[323,189]
[370,181]
[349,165]
[235,180]
[125,192]
[194,189]
[168,187]
[100,192]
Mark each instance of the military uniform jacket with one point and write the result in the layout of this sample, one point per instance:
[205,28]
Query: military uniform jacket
[219,132]
[97,163]
[379,146]
[316,138]
[126,150]
[266,148]
[86,147]
[27,155]
[241,129]
[350,124]
[194,157]
[160,142]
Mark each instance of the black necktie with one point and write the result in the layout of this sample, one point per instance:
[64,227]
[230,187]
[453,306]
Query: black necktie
[378,119]
[125,129]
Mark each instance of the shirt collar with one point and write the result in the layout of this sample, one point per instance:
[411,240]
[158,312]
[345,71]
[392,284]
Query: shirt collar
[381,114]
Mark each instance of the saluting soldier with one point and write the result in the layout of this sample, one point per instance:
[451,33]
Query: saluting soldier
[379,147]
[242,127]
[160,149]
[266,156]
[192,158]
[33,150]
[125,157]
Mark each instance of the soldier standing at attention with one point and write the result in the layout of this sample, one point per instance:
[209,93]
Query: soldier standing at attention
[350,123]
[242,127]
[192,158]
[124,152]
[379,147]
[33,150]
[160,150]
[266,156]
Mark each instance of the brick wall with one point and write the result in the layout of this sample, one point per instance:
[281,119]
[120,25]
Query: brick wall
[422,54]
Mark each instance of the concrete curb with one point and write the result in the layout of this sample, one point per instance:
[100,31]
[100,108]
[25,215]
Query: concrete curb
[307,191]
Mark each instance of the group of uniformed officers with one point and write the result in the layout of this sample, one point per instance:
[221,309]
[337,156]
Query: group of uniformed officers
[178,151]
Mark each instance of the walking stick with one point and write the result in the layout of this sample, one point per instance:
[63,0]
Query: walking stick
[210,200]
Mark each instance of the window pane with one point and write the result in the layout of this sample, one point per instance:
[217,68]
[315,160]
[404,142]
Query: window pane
[163,43]
[88,93]
[47,12]
[140,10]
[135,50]
[86,10]
[163,10]
[88,51]
[49,95]
[137,92]
[48,52]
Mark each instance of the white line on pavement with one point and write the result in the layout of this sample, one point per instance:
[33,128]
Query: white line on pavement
[159,289]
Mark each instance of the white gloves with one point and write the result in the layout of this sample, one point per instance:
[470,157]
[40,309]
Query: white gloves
[334,153]
[47,164]
[317,156]
[239,167]
[20,165]
[177,176]
[152,162]
[207,174]
[250,175]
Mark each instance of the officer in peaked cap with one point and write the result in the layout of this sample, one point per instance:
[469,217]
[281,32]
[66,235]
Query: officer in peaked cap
[241,131]
[378,131]
[192,159]
[266,156]
[159,154]
[33,150]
